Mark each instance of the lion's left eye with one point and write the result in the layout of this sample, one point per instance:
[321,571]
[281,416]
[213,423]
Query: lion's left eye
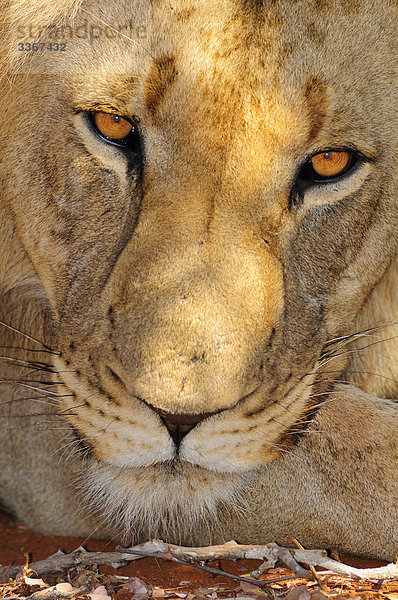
[116,130]
[328,165]
[112,126]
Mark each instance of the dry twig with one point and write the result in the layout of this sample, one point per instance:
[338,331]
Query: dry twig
[60,562]
[269,553]
[318,558]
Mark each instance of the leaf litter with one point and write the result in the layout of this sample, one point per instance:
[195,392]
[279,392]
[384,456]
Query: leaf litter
[91,584]
[159,578]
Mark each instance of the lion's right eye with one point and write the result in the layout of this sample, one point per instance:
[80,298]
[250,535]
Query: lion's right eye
[328,166]
[116,130]
[331,164]
[112,126]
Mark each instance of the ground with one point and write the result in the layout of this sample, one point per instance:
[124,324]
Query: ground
[158,578]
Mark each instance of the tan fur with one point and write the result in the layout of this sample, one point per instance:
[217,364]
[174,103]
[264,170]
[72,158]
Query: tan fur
[199,281]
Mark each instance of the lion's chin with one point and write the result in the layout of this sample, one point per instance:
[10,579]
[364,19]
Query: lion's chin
[166,500]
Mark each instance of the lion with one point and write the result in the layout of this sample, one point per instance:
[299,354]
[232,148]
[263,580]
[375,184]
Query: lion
[198,279]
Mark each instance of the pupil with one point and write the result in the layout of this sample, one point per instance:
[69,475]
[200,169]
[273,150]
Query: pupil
[326,155]
[116,119]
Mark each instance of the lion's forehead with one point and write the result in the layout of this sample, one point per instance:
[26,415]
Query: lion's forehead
[256,44]
[236,70]
[250,37]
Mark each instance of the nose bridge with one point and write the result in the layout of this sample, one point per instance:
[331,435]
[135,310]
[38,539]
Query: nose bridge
[196,293]
[194,317]
[202,247]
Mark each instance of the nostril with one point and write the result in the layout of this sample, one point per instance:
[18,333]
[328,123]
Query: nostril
[179,425]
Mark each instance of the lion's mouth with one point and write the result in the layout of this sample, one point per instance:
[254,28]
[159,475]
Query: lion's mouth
[127,431]
[179,425]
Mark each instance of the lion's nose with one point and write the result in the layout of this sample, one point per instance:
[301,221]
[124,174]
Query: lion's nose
[179,425]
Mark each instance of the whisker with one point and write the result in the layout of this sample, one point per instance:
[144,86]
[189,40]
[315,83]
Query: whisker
[320,394]
[345,340]
[41,427]
[347,382]
[286,451]
[70,442]
[379,340]
[24,416]
[29,337]
[375,375]
[362,331]
[304,431]
[333,351]
[72,448]
[66,410]
[38,399]
[307,431]
[63,448]
[356,350]
[32,387]
[84,452]
[286,408]
[34,365]
[109,424]
[26,349]
[13,380]
[290,431]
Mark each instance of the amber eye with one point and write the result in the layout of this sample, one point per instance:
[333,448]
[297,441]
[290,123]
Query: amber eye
[324,168]
[331,164]
[117,131]
[111,126]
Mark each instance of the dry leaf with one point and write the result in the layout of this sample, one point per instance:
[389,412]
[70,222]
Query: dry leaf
[205,594]
[99,593]
[318,595]
[64,588]
[138,587]
[30,581]
[299,592]
[250,588]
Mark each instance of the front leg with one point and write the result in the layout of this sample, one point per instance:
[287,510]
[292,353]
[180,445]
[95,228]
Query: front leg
[339,486]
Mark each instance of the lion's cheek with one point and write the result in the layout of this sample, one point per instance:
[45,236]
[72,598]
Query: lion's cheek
[232,444]
[127,455]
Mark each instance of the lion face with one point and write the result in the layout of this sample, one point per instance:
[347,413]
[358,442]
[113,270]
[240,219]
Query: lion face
[197,268]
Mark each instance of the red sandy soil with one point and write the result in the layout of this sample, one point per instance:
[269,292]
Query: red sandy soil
[17,540]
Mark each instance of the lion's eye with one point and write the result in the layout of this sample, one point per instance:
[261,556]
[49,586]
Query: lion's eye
[116,130]
[328,165]
[112,126]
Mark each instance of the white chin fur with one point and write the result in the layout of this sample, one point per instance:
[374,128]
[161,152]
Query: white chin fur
[165,500]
